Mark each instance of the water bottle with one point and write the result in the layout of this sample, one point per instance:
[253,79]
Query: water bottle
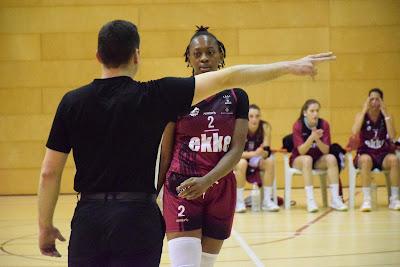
[374,195]
[255,198]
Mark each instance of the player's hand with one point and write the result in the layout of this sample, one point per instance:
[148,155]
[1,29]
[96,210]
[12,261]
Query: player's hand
[265,154]
[193,187]
[319,133]
[366,105]
[259,152]
[307,65]
[382,107]
[314,134]
[47,241]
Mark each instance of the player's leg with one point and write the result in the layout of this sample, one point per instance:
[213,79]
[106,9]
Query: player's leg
[184,248]
[210,250]
[305,164]
[365,163]
[328,162]
[240,174]
[391,163]
[183,220]
[268,167]
[218,218]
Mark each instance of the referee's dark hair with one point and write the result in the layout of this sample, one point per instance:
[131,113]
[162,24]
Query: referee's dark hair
[203,30]
[117,42]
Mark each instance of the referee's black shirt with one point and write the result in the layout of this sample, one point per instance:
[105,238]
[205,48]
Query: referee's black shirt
[114,127]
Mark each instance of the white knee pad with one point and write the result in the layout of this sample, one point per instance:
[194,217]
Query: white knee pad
[185,252]
[208,260]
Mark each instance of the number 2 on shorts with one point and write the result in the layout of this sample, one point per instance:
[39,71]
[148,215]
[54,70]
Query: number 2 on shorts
[181,209]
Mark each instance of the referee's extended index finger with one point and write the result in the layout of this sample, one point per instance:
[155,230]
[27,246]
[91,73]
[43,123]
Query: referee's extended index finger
[321,59]
[325,54]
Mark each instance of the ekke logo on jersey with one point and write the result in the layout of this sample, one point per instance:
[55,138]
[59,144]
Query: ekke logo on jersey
[214,143]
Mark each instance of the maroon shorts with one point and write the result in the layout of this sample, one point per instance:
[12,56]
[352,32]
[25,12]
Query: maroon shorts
[314,160]
[253,176]
[213,212]
[377,159]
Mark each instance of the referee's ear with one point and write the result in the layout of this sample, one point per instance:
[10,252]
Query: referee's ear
[98,57]
[136,56]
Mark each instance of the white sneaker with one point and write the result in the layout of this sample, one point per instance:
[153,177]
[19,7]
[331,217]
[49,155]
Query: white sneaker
[394,204]
[366,205]
[269,206]
[240,207]
[337,204]
[311,205]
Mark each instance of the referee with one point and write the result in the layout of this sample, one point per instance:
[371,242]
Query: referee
[113,126]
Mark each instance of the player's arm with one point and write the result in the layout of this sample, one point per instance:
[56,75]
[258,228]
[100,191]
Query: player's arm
[391,129]
[248,154]
[232,157]
[266,146]
[49,188]
[360,118]
[324,142]
[195,186]
[243,75]
[166,154]
[264,149]
[323,147]
[303,148]
[388,121]
[358,121]
[298,142]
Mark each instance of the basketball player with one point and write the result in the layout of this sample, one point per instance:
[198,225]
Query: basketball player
[207,142]
[256,157]
[311,141]
[114,125]
[374,126]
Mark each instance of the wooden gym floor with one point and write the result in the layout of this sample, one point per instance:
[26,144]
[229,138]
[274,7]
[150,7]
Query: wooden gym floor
[287,238]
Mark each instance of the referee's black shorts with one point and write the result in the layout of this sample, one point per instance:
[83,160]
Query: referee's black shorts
[116,233]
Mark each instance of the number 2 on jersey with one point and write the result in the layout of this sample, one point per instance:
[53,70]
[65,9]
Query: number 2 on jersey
[211,119]
[181,209]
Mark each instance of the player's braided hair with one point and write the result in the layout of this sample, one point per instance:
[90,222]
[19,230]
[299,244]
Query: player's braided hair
[203,30]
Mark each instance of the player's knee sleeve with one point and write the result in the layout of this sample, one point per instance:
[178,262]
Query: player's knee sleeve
[185,252]
[207,259]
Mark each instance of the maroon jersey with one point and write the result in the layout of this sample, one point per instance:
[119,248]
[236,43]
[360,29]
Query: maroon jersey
[203,136]
[255,140]
[300,135]
[374,138]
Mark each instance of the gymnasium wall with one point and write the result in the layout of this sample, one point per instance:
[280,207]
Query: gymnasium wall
[48,47]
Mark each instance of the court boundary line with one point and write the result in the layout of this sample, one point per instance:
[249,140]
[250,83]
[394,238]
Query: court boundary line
[300,230]
[2,248]
[243,244]
[333,255]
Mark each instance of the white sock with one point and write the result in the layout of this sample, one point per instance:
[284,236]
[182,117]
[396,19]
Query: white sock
[309,191]
[207,259]
[239,194]
[334,191]
[185,252]
[267,193]
[366,192]
[394,192]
